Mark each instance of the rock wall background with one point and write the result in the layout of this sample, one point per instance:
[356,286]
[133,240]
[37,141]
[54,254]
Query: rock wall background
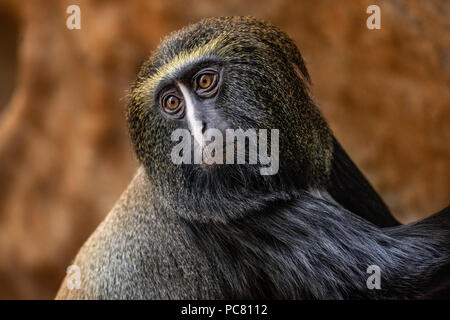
[64,151]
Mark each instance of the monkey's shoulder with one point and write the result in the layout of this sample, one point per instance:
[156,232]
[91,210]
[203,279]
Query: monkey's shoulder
[139,252]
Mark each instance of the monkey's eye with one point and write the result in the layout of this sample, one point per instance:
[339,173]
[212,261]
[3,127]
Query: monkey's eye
[172,104]
[206,83]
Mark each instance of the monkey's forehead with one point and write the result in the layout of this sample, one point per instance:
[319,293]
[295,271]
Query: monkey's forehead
[229,30]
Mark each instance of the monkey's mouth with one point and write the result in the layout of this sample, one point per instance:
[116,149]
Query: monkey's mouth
[212,164]
[207,163]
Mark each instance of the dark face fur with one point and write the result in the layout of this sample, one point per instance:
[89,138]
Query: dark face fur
[253,77]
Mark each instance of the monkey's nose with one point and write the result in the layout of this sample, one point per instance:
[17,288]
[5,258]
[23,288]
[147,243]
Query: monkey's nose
[198,132]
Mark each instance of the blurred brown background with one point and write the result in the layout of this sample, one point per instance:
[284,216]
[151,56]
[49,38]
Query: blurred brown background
[64,152]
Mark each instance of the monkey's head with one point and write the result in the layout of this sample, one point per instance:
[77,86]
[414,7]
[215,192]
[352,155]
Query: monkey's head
[227,73]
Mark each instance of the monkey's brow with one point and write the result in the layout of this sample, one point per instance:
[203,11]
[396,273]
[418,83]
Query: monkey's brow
[183,58]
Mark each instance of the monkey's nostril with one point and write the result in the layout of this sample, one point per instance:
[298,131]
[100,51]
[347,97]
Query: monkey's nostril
[203,127]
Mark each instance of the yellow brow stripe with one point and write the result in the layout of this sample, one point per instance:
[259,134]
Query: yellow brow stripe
[177,62]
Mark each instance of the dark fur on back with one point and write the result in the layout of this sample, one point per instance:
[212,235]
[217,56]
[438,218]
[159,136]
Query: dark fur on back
[349,187]
[312,248]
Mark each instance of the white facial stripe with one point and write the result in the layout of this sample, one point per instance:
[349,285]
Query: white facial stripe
[194,125]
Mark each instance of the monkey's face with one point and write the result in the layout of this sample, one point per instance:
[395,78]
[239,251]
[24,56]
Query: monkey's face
[219,75]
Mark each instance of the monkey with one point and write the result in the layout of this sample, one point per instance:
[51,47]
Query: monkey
[220,231]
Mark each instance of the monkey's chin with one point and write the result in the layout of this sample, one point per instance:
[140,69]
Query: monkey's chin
[209,166]
[218,176]
[238,188]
